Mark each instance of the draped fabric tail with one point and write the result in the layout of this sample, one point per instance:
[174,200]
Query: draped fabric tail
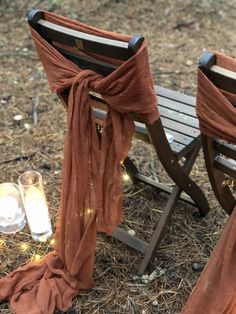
[215,292]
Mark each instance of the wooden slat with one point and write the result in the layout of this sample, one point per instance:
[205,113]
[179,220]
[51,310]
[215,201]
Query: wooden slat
[177,148]
[180,117]
[227,149]
[184,118]
[141,132]
[179,138]
[84,41]
[141,128]
[177,106]
[180,128]
[84,36]
[164,188]
[137,244]
[224,72]
[170,94]
[227,166]
[83,62]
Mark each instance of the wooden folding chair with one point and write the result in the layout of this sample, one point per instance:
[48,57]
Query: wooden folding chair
[177,118]
[220,156]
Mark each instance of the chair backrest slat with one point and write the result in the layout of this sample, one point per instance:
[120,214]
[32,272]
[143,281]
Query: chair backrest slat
[83,62]
[219,76]
[224,148]
[52,32]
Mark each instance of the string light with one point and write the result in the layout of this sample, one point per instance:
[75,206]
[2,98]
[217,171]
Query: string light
[126,177]
[52,242]
[24,247]
[2,242]
[89,211]
[36,258]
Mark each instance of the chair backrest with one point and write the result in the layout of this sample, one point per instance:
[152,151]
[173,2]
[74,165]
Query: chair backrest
[220,156]
[84,42]
[88,52]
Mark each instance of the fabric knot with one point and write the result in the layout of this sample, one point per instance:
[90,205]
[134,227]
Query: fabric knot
[88,76]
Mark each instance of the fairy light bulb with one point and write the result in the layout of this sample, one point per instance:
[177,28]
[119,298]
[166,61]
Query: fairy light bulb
[52,242]
[2,242]
[126,177]
[24,247]
[88,211]
[36,258]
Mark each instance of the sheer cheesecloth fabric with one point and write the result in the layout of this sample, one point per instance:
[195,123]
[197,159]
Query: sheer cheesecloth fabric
[216,114]
[91,195]
[215,292]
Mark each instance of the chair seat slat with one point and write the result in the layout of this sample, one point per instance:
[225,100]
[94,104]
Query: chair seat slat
[173,95]
[179,117]
[177,106]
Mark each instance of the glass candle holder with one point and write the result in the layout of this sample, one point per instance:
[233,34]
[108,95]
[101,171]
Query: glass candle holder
[12,215]
[36,209]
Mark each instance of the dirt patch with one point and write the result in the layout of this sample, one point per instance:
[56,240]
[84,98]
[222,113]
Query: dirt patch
[177,33]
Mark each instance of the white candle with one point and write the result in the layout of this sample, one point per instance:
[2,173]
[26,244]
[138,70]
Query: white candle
[8,207]
[36,211]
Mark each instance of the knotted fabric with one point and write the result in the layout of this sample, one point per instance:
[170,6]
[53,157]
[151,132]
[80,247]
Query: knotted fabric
[215,292]
[91,196]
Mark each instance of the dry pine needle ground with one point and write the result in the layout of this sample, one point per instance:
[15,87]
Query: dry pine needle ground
[177,33]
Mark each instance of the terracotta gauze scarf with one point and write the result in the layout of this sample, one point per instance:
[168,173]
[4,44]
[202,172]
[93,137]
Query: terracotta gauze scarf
[215,292]
[91,196]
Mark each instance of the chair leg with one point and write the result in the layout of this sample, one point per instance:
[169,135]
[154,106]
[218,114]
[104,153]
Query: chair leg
[167,212]
[177,173]
[160,229]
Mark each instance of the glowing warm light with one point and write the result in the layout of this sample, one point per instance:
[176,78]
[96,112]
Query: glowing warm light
[88,211]
[2,242]
[37,212]
[24,247]
[126,177]
[36,257]
[52,241]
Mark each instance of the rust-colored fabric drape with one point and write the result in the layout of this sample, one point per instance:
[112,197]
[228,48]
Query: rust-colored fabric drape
[217,115]
[215,292]
[91,196]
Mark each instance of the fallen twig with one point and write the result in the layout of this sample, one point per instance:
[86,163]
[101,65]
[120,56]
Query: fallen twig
[19,157]
[15,53]
[35,102]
